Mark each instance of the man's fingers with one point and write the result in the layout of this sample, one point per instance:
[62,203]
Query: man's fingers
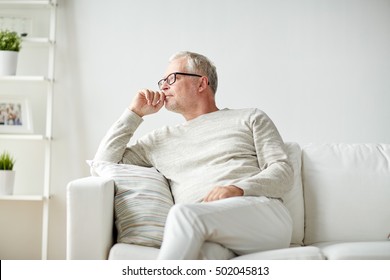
[153,97]
[162,97]
[222,192]
[148,96]
[156,98]
[147,102]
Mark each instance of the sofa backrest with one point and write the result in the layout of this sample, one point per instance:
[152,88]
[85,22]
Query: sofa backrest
[293,200]
[346,192]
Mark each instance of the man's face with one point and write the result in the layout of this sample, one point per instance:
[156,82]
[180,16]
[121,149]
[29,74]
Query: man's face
[179,97]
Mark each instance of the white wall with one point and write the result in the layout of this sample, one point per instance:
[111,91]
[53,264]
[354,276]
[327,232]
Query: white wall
[319,68]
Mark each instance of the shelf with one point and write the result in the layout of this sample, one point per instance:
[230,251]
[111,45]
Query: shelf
[37,40]
[48,9]
[27,3]
[22,198]
[24,79]
[22,137]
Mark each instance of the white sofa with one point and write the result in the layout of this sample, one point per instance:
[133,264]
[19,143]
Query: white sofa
[340,205]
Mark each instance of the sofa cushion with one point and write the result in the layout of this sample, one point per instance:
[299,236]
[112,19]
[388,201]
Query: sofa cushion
[293,200]
[122,251]
[374,250]
[296,253]
[142,202]
[346,191]
[209,251]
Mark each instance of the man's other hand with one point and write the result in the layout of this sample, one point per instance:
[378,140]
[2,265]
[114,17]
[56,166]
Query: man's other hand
[221,192]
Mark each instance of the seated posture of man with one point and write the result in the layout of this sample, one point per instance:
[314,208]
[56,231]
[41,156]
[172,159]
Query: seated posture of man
[227,168]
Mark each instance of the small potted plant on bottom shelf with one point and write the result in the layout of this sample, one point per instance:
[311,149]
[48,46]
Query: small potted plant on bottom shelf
[10,44]
[7,174]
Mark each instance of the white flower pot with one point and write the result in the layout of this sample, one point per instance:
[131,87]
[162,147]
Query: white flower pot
[8,62]
[7,179]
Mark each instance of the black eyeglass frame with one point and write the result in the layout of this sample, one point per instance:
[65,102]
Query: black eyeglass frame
[160,82]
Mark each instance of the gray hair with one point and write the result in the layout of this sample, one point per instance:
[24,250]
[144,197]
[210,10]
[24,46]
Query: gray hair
[199,64]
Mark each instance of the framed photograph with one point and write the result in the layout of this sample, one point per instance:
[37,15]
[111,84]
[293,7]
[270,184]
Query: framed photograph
[15,115]
[17,23]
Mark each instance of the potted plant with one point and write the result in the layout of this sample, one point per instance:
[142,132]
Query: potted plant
[7,174]
[10,44]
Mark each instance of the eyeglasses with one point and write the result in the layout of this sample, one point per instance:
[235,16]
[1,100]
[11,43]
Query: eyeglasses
[171,78]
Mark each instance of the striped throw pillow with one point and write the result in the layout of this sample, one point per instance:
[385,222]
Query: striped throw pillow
[142,202]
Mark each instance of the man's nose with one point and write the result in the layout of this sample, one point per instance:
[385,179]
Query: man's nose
[165,85]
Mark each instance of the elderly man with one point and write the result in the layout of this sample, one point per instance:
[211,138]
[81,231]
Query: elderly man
[227,169]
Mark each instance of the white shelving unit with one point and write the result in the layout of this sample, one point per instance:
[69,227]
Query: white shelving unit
[22,197]
[24,79]
[48,80]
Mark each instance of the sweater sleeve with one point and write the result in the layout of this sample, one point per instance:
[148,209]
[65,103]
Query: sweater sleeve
[276,175]
[113,147]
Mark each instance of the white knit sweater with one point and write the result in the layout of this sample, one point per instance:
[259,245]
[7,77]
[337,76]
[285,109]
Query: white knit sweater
[226,147]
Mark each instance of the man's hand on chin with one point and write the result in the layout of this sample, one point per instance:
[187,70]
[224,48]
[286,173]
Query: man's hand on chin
[147,102]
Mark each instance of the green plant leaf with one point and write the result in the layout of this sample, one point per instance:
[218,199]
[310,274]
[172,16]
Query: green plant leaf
[6,161]
[10,41]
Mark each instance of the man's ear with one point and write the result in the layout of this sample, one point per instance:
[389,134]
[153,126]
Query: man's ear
[203,84]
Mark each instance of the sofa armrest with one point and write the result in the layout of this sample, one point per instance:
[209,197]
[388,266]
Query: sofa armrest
[90,218]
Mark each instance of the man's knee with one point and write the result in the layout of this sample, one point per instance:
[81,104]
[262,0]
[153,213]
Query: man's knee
[182,212]
[184,218]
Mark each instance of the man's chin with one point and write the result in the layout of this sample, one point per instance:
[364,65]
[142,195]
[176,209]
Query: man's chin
[171,107]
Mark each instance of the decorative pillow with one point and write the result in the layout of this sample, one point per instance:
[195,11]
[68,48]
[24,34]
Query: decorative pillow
[142,201]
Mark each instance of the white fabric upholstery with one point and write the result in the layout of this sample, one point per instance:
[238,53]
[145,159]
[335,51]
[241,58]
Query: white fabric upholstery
[373,250]
[293,200]
[122,251]
[296,253]
[345,202]
[90,218]
[347,192]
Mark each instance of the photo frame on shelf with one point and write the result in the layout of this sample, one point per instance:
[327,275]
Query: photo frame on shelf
[17,23]
[15,115]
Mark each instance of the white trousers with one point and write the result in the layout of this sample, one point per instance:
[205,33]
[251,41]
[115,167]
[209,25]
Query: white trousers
[225,228]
